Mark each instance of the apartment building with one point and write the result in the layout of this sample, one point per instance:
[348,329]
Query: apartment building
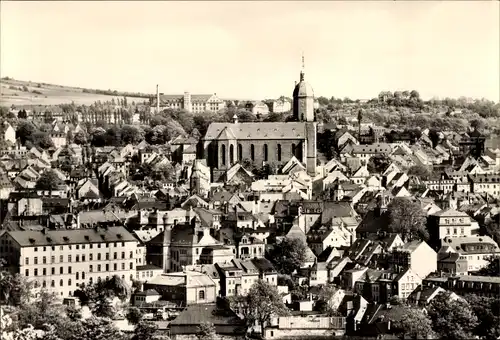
[62,260]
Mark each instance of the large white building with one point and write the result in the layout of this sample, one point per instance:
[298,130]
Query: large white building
[61,260]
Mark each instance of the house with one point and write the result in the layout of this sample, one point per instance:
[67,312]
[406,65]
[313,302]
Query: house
[7,133]
[61,260]
[228,326]
[184,288]
[257,108]
[475,251]
[297,326]
[417,255]
[451,223]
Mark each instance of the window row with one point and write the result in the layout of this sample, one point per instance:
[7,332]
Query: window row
[265,153]
[83,246]
[78,258]
[115,267]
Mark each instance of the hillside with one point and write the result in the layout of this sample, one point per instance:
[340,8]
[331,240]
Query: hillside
[22,93]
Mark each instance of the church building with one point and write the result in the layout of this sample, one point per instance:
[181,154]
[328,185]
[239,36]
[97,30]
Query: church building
[263,143]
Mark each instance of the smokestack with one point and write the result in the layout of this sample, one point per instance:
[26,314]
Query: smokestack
[157,99]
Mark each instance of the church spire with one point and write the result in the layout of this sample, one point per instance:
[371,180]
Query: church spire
[303,67]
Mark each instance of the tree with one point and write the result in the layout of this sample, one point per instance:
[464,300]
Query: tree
[493,267]
[378,163]
[414,324]
[288,255]
[96,328]
[48,181]
[25,131]
[414,95]
[262,302]
[15,289]
[420,171]
[452,318]
[80,138]
[134,315]
[145,330]
[435,137]
[487,310]
[42,140]
[206,331]
[477,124]
[131,134]
[407,218]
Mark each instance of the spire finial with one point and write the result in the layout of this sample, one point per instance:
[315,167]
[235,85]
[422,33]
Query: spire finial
[303,66]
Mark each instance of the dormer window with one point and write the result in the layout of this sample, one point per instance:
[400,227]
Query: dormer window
[66,239]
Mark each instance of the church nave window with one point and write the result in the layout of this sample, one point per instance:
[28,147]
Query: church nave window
[265,152]
[293,149]
[231,154]
[252,152]
[279,152]
[240,152]
[223,155]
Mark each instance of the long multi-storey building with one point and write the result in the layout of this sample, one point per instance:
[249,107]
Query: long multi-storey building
[62,260]
[195,103]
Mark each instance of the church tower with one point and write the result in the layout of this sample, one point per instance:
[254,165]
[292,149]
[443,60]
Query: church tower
[303,111]
[303,99]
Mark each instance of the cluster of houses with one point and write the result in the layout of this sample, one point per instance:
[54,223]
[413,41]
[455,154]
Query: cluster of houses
[191,241]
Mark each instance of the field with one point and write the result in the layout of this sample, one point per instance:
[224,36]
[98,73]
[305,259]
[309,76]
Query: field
[12,93]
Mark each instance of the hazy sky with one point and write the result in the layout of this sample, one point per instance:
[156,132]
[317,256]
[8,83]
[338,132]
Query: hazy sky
[253,49]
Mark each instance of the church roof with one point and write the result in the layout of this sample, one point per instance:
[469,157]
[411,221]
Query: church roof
[259,130]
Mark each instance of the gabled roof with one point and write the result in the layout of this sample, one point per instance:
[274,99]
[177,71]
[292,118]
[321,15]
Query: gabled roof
[260,130]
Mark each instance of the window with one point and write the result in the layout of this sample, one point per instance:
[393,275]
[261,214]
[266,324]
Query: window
[131,265]
[115,266]
[265,151]
[35,260]
[77,246]
[252,152]
[131,254]
[223,154]
[83,258]
[69,258]
[115,255]
[91,257]
[36,272]
[293,149]
[77,275]
[69,282]
[69,270]
[27,261]
[61,270]
[99,257]
[279,152]
[83,275]
[240,152]
[44,284]
[201,295]
[61,258]
[123,266]
[107,267]
[52,283]
[231,154]
[107,256]
[52,259]
[123,255]
[44,271]
[61,282]
[98,267]
[53,271]
[44,260]
[77,259]
[36,248]
[27,272]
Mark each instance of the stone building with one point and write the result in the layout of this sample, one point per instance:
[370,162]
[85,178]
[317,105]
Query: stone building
[263,143]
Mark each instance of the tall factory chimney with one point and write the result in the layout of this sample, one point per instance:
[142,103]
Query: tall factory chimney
[157,99]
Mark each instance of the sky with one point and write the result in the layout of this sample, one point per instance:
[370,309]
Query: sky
[252,50]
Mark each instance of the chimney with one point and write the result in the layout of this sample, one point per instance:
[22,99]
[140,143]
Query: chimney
[157,99]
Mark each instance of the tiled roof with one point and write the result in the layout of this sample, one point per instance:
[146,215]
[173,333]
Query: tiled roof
[260,130]
[196,314]
[72,236]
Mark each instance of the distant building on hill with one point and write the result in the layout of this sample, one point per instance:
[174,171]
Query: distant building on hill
[190,102]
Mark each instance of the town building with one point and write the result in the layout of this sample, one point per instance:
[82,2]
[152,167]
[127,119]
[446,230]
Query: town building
[265,143]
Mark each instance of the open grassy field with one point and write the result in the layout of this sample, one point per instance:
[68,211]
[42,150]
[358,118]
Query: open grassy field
[23,93]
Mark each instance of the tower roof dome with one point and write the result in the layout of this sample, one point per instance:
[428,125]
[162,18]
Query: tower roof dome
[303,88]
